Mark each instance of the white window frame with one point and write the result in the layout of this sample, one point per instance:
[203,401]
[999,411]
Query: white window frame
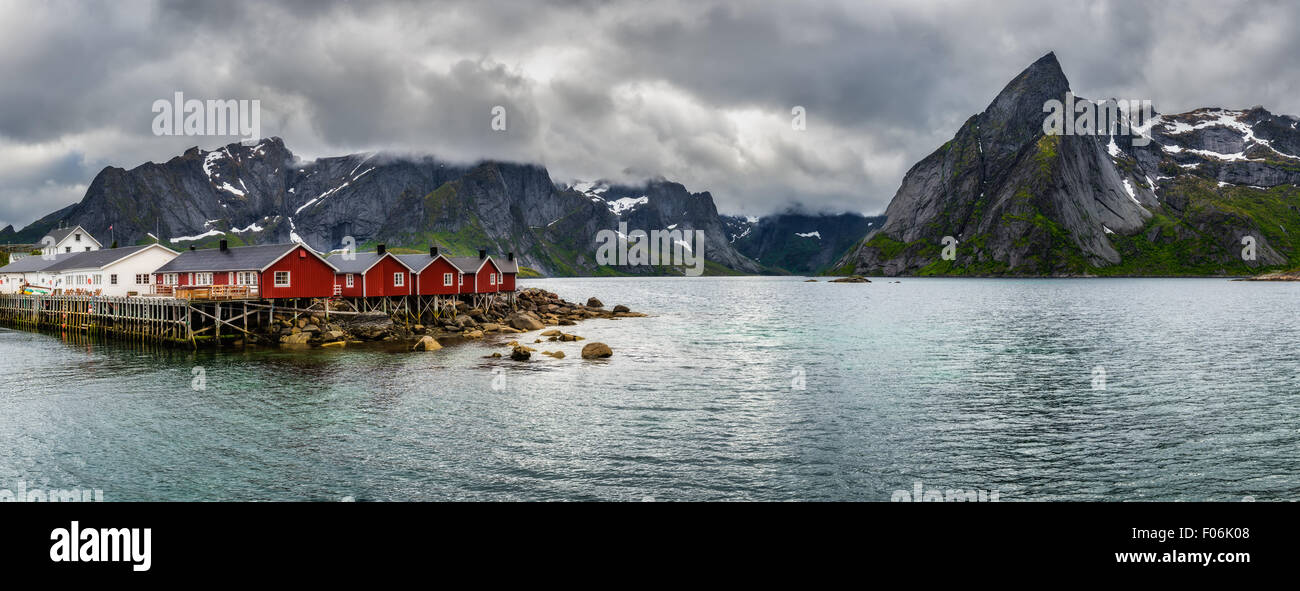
[287,279]
[446,279]
[492,279]
[351,280]
[112,279]
[142,279]
[246,278]
[170,278]
[399,279]
[202,279]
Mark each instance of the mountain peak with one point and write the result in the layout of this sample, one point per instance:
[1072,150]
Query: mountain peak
[1016,115]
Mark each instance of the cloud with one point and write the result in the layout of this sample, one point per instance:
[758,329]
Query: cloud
[698,92]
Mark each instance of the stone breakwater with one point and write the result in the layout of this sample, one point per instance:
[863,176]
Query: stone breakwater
[534,309]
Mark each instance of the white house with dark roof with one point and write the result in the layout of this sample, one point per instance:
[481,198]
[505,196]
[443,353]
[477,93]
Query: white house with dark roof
[32,270]
[112,271]
[69,240]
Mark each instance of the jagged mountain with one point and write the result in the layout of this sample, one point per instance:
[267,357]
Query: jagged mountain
[1022,202]
[798,243]
[263,193]
[666,205]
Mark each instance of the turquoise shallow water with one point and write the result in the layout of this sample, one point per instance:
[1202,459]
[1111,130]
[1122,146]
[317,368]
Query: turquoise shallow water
[956,383]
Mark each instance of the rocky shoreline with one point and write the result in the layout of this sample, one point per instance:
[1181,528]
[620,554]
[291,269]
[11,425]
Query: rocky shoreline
[535,309]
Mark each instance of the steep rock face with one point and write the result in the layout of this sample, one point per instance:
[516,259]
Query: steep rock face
[263,193]
[798,243]
[1020,202]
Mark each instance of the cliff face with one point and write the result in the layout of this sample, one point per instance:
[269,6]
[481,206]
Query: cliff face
[1021,202]
[263,193]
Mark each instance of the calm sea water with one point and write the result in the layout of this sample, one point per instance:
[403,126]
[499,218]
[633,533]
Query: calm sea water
[735,388]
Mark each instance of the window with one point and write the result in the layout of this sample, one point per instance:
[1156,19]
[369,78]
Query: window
[169,278]
[67,249]
[492,279]
[351,280]
[230,278]
[112,279]
[399,279]
[282,279]
[78,237]
[203,279]
[446,279]
[141,279]
[99,279]
[87,249]
[246,278]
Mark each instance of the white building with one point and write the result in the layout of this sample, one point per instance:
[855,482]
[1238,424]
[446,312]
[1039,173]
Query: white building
[111,272]
[32,270]
[69,240]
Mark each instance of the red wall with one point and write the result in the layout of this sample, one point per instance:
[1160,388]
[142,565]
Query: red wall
[379,279]
[357,282]
[431,278]
[485,278]
[508,282]
[309,277]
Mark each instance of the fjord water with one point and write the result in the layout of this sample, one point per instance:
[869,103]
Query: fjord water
[954,383]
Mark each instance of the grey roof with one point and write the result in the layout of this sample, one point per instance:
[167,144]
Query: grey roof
[34,263]
[59,234]
[361,261]
[237,258]
[96,259]
[507,265]
[466,264]
[417,262]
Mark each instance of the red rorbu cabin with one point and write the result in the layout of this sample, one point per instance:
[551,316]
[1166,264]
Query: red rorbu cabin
[434,273]
[373,274]
[269,271]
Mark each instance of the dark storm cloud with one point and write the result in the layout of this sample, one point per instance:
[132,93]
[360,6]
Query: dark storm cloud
[699,92]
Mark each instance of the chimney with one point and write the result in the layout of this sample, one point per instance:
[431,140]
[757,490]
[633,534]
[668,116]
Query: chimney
[223,245]
[433,251]
[381,249]
[482,253]
[510,256]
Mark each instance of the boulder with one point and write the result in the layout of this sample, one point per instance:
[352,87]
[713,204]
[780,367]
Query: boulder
[490,327]
[554,354]
[621,308]
[525,321]
[426,343]
[594,303]
[520,354]
[551,333]
[300,338]
[851,279]
[596,351]
[473,334]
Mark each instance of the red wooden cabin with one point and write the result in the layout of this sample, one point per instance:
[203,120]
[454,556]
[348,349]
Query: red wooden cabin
[434,273]
[270,271]
[373,274]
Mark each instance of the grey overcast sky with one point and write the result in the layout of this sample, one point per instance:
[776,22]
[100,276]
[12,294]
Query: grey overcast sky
[695,91]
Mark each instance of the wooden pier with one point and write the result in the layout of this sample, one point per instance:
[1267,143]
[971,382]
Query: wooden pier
[187,321]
